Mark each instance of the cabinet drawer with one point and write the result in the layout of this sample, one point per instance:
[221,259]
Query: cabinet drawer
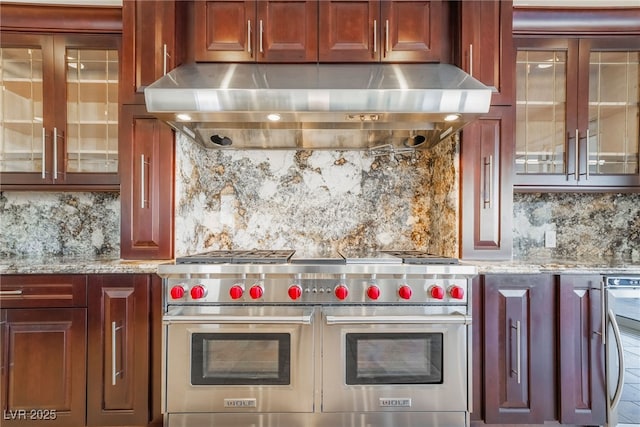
[22,291]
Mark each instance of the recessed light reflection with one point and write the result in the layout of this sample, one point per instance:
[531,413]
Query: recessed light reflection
[273,117]
[451,117]
[184,117]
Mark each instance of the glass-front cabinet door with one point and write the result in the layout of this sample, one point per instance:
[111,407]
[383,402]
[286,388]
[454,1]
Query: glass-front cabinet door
[59,111]
[577,112]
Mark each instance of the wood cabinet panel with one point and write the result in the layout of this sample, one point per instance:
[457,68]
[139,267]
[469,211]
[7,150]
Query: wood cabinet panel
[412,31]
[118,362]
[487,199]
[581,375]
[519,351]
[349,31]
[486,46]
[61,133]
[147,157]
[151,33]
[43,365]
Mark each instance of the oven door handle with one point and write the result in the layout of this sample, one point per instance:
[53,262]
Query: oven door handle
[458,318]
[303,319]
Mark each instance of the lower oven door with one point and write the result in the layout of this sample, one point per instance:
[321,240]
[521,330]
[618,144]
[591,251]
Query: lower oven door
[395,359]
[249,359]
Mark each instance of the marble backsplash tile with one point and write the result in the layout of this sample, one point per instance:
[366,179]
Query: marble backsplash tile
[587,225]
[315,201]
[73,224]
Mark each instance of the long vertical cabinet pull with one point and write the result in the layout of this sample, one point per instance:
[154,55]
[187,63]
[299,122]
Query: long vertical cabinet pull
[577,156]
[143,182]
[586,175]
[488,181]
[261,30]
[375,35]
[44,154]
[165,55]
[114,352]
[518,351]
[386,38]
[471,59]
[249,37]
[55,153]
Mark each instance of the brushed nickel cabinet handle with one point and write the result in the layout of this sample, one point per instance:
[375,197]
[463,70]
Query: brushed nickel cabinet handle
[577,156]
[386,38]
[586,175]
[55,153]
[261,31]
[375,35]
[17,292]
[44,154]
[143,182]
[165,55]
[114,343]
[471,59]
[488,181]
[518,351]
[249,36]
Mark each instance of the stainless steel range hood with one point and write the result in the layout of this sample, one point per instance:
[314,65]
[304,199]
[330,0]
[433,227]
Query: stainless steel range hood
[317,106]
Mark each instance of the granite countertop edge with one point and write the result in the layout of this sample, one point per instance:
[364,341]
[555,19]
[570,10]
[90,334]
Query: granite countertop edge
[118,266]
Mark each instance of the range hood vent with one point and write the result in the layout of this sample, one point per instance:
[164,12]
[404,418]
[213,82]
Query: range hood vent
[317,106]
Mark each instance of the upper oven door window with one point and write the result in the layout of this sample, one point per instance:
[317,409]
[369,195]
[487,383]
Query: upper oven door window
[240,359]
[394,358]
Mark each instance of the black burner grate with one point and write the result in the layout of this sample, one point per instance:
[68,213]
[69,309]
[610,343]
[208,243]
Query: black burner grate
[420,257]
[238,257]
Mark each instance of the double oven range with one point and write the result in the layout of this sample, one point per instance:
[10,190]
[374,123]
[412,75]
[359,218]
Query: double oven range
[265,338]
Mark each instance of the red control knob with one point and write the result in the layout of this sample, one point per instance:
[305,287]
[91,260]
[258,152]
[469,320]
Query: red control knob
[256,291]
[341,291]
[456,292]
[295,292]
[436,292]
[198,291]
[177,292]
[373,292]
[405,292]
[236,291]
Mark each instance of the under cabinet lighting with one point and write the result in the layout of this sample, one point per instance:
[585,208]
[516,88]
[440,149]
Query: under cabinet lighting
[184,117]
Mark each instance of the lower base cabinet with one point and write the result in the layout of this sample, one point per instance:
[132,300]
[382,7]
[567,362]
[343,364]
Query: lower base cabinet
[118,358]
[538,352]
[80,350]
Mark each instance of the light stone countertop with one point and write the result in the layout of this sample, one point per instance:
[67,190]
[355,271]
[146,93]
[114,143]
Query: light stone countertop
[63,265]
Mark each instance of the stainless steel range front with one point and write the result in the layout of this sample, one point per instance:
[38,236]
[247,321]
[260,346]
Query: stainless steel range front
[265,338]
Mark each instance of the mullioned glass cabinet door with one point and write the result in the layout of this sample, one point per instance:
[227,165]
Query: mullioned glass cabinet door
[58,110]
[577,114]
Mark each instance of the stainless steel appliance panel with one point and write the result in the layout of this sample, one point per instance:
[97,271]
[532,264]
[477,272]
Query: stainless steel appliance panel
[250,356]
[408,381]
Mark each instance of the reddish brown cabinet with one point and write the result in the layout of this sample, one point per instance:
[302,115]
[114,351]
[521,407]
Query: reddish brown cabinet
[43,350]
[486,147]
[374,30]
[249,31]
[485,44]
[582,393]
[519,348]
[118,362]
[147,175]
[152,44]
[61,130]
[486,196]
[577,100]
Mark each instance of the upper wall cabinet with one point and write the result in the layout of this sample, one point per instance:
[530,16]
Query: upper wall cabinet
[297,31]
[58,107]
[577,109]
[374,30]
[486,50]
[262,31]
[151,31]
